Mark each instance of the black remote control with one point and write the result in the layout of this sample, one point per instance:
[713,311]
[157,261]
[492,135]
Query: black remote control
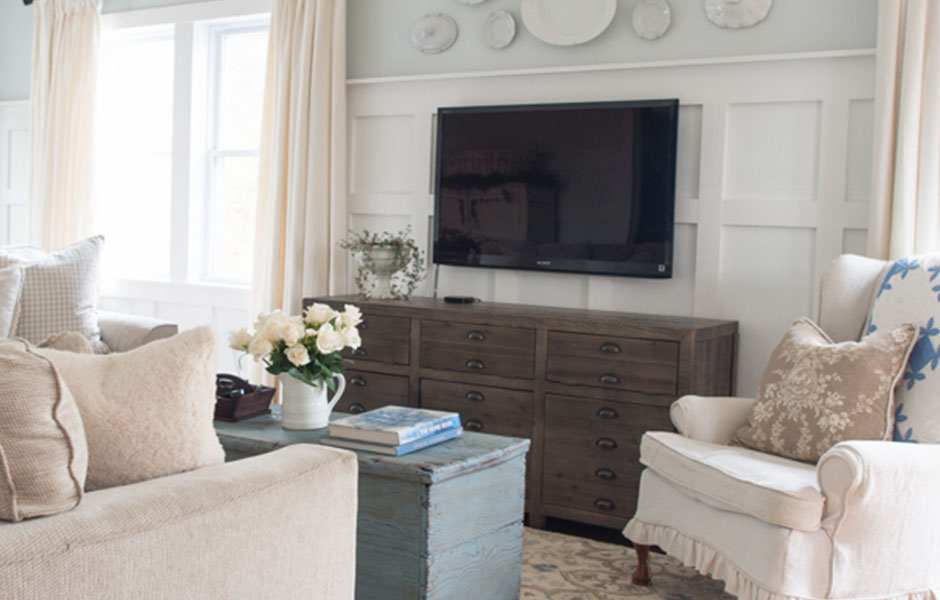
[460,299]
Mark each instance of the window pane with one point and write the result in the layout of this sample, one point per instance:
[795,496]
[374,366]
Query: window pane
[133,171]
[242,89]
[233,218]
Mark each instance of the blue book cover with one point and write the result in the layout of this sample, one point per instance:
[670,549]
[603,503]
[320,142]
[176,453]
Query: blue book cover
[430,440]
[393,425]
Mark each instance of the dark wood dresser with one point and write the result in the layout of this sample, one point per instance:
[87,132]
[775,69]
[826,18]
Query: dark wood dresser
[583,385]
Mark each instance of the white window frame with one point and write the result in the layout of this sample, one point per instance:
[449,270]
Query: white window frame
[190,87]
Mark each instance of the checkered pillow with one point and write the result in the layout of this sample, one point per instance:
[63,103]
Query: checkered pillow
[60,290]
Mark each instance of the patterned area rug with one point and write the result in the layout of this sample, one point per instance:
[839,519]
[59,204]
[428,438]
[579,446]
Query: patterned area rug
[556,566]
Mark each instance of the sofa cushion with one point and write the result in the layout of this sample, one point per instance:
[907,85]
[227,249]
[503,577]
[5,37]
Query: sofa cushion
[60,290]
[148,411]
[43,455]
[11,282]
[908,291]
[770,488]
[815,393]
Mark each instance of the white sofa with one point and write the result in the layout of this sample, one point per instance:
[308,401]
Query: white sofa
[278,525]
[862,523]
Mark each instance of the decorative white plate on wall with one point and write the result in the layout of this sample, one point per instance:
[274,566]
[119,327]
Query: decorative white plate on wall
[434,33]
[651,19]
[734,14]
[567,22]
[500,29]
[470,2]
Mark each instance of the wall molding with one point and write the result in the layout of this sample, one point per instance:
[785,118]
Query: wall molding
[628,66]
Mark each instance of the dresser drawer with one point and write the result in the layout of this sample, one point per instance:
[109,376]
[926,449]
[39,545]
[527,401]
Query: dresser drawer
[368,391]
[590,496]
[384,339]
[481,349]
[488,409]
[613,362]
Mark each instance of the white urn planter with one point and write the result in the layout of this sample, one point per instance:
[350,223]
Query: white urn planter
[307,406]
[384,264]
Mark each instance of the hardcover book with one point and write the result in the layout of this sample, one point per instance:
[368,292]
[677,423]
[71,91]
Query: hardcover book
[428,440]
[393,425]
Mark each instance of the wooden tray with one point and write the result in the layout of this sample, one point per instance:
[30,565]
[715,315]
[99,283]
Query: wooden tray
[236,399]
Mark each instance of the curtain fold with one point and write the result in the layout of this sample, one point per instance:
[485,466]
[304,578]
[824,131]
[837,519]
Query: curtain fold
[62,97]
[904,216]
[301,211]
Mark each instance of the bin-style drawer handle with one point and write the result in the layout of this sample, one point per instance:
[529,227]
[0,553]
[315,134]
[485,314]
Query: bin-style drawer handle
[473,425]
[605,412]
[604,504]
[362,325]
[356,408]
[357,380]
[605,443]
[605,474]
[474,396]
[360,351]
[476,336]
[476,365]
[609,378]
[610,348]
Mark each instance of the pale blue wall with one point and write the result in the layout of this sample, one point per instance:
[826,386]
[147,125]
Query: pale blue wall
[379,31]
[379,43]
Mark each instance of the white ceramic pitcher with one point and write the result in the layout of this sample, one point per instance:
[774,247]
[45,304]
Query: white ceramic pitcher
[305,406]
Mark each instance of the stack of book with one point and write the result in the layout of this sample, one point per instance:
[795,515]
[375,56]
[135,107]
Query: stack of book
[394,430]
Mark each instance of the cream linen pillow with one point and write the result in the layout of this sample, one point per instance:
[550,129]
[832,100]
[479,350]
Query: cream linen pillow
[815,393]
[148,412]
[43,455]
[11,282]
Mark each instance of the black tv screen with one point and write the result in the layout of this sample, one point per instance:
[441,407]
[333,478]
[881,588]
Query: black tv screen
[587,187]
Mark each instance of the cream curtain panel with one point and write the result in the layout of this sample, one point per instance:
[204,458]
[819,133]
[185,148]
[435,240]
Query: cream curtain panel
[905,205]
[62,104]
[301,196]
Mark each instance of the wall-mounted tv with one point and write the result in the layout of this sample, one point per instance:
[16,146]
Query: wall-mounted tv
[585,187]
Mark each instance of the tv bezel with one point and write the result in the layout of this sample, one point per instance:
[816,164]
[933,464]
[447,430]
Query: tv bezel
[566,265]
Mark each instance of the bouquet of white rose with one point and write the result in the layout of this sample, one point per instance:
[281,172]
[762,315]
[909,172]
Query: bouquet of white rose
[306,347]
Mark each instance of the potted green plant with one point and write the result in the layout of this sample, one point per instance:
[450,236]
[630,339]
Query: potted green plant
[390,265]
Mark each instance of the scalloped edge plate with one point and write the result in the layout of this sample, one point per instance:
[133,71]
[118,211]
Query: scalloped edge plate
[434,33]
[737,14]
[651,19]
[500,29]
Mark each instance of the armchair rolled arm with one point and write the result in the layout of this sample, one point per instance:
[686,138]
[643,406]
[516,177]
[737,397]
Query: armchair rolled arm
[712,419]
[123,332]
[880,513]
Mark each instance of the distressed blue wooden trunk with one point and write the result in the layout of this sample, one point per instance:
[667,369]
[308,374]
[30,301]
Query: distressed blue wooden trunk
[440,523]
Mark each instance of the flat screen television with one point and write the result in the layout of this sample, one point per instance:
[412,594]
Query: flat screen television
[585,187]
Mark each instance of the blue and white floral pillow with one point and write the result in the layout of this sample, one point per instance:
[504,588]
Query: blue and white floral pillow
[909,292]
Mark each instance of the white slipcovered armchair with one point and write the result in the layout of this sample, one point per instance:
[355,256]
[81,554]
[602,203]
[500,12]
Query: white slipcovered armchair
[862,523]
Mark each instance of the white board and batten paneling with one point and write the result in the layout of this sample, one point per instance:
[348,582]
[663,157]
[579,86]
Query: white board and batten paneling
[14,172]
[772,181]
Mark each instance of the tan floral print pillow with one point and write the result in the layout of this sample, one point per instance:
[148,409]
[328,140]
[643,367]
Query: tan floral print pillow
[815,393]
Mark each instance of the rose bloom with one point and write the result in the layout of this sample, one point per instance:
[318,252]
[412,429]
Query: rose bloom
[297,354]
[240,339]
[274,326]
[260,346]
[293,330]
[328,339]
[351,337]
[317,314]
[352,316]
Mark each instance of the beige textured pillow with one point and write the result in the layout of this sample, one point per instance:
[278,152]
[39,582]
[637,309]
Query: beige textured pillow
[815,393]
[148,412]
[43,456]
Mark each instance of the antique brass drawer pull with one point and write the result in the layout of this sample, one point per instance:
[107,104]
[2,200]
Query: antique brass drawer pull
[605,443]
[474,396]
[356,408]
[476,365]
[476,336]
[609,378]
[610,348]
[473,425]
[357,380]
[605,474]
[360,351]
[604,504]
[606,412]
